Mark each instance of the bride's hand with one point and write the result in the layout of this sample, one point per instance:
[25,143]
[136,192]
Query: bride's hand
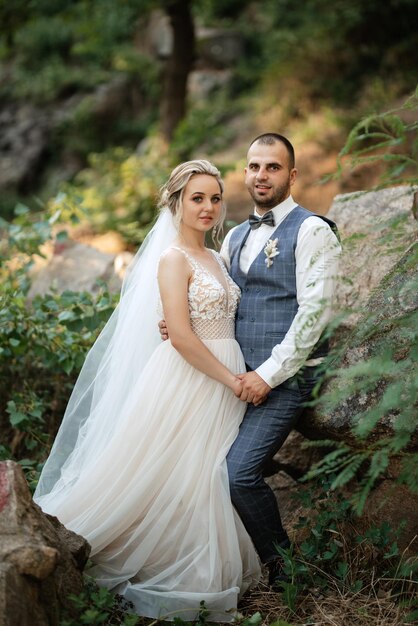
[162,327]
[236,387]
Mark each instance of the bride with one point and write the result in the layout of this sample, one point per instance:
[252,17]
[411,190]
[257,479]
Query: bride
[138,466]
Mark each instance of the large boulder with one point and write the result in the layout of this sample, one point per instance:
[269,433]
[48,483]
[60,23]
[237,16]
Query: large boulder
[77,267]
[41,561]
[378,269]
[376,329]
[376,228]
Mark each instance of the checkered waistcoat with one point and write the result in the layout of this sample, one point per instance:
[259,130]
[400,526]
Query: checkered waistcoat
[268,294]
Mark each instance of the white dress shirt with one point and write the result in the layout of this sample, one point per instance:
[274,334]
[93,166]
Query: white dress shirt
[317,255]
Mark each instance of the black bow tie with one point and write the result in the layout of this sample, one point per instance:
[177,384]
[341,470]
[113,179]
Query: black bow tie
[255,221]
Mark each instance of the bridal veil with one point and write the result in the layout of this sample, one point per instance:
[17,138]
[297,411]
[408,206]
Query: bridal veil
[113,364]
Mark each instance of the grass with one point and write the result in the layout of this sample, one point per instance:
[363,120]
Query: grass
[375,605]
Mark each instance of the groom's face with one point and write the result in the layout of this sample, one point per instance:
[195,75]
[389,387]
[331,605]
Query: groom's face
[268,177]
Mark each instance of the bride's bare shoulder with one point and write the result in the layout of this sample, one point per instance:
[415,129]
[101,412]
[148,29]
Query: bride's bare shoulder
[173,260]
[173,254]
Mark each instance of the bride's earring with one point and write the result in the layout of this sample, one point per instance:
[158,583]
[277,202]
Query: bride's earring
[214,230]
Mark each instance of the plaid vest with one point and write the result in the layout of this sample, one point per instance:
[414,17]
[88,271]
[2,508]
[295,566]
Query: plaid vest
[268,302]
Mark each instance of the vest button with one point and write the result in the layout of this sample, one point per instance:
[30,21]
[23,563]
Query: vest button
[247,289]
[257,290]
[253,319]
[251,349]
[240,317]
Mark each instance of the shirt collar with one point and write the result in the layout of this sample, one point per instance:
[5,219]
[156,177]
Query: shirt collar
[282,209]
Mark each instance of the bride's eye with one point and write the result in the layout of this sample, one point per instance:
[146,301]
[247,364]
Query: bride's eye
[197,199]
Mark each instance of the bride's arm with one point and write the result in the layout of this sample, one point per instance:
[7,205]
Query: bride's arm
[173,279]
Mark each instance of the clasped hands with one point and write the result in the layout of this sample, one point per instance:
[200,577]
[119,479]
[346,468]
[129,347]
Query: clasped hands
[252,389]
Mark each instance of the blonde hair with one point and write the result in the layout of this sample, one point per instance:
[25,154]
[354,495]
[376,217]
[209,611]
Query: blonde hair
[171,194]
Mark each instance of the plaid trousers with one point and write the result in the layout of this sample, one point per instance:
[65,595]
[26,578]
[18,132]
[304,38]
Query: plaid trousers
[263,431]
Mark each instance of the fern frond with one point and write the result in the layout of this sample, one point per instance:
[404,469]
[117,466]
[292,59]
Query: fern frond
[349,471]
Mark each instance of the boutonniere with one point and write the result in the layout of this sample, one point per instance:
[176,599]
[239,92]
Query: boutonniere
[271,251]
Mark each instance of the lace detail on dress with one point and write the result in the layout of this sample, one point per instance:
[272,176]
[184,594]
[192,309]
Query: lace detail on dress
[212,308]
[214,329]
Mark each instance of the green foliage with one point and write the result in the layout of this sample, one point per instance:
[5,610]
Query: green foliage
[53,80]
[96,605]
[43,343]
[337,548]
[40,39]
[205,128]
[74,30]
[382,388]
[118,191]
[388,139]
[331,51]
[65,47]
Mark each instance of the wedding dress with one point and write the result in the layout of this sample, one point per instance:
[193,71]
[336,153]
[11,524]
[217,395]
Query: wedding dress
[155,503]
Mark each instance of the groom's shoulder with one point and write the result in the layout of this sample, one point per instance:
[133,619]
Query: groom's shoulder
[233,239]
[317,219]
[239,229]
[312,221]
[303,213]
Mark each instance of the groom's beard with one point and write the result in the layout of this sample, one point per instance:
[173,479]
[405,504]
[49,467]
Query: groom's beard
[278,195]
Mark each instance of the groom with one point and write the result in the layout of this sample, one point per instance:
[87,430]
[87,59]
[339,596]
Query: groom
[285,260]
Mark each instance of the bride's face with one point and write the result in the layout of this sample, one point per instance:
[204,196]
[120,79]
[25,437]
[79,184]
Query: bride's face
[202,203]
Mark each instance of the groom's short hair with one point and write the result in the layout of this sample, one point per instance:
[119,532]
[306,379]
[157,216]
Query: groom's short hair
[268,139]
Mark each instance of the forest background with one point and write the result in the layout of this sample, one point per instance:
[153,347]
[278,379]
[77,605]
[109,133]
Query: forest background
[119,93]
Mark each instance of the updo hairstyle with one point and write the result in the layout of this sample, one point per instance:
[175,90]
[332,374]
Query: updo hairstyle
[171,194]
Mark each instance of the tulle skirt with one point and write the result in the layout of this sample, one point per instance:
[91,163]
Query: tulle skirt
[155,503]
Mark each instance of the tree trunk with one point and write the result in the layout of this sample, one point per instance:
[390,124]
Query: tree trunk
[173,104]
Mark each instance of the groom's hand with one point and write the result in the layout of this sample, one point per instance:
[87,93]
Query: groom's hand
[254,388]
[163,330]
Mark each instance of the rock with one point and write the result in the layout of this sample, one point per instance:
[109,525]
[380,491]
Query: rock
[110,242]
[41,561]
[293,458]
[77,267]
[201,83]
[156,36]
[379,272]
[376,228]
[285,489]
[218,47]
[24,133]
[395,296]
[398,506]
[376,281]
[109,99]
[389,501]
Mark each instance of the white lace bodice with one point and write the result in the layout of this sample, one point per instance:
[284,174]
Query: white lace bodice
[212,309]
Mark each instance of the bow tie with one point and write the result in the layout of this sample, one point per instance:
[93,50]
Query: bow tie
[255,221]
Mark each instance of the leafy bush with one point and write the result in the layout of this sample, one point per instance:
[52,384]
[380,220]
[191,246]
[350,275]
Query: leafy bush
[41,39]
[43,343]
[343,556]
[205,128]
[381,388]
[388,139]
[119,190]
[326,52]
[96,605]
[64,47]
[53,80]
